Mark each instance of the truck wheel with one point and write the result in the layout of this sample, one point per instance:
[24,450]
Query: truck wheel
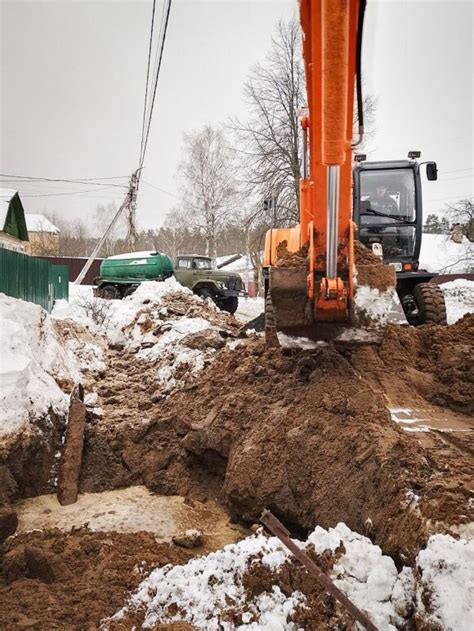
[230,305]
[205,292]
[129,291]
[109,292]
[430,302]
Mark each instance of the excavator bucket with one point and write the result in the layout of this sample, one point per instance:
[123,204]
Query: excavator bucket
[289,295]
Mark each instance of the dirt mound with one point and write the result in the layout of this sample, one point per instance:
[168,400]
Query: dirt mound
[437,361]
[371,270]
[71,580]
[292,259]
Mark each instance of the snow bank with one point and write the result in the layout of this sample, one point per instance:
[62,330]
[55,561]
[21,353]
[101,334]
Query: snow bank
[32,360]
[152,323]
[439,253]
[200,591]
[459,297]
[446,585]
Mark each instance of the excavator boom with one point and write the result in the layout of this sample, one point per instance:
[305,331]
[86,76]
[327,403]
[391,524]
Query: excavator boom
[320,288]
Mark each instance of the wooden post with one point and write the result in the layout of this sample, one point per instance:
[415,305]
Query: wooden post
[71,457]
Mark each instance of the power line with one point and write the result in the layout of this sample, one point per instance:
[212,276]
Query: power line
[162,190]
[90,190]
[87,181]
[160,58]
[147,75]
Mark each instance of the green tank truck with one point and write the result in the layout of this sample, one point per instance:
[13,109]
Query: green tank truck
[120,275]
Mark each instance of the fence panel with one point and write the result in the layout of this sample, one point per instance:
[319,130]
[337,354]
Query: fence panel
[32,279]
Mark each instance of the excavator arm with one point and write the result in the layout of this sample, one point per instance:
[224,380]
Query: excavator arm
[320,287]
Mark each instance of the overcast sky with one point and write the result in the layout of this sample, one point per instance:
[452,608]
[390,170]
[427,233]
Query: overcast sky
[73,76]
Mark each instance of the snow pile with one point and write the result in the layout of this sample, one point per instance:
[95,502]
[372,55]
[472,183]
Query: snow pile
[439,253]
[377,307]
[159,322]
[459,297]
[369,578]
[201,591]
[32,362]
[446,585]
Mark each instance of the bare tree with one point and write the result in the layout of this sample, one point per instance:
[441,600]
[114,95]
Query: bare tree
[462,213]
[270,139]
[210,191]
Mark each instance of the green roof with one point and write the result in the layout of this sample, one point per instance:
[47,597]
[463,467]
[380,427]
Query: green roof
[12,215]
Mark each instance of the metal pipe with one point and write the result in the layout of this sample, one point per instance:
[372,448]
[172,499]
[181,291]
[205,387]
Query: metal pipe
[305,152]
[332,216]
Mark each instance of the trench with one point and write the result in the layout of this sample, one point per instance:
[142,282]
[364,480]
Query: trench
[260,429]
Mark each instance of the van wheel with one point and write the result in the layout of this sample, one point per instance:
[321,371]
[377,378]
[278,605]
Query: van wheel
[109,292]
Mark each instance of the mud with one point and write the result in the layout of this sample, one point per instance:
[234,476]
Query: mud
[56,580]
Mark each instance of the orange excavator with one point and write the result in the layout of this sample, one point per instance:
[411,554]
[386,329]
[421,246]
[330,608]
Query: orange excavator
[320,289]
[309,269]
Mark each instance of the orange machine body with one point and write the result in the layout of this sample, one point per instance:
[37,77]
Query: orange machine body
[329,49]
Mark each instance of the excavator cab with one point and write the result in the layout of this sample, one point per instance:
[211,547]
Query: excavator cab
[388,209]
[388,212]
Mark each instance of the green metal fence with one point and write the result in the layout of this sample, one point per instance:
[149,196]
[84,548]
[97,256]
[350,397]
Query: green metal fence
[32,279]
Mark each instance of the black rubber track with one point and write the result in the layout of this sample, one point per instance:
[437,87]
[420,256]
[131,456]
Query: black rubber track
[430,301]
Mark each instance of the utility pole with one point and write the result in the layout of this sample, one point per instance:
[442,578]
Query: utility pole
[130,199]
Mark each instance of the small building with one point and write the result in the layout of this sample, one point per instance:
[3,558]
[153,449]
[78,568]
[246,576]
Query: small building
[13,229]
[44,235]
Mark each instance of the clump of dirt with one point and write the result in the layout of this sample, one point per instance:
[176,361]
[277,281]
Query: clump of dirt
[291,259]
[371,270]
[52,579]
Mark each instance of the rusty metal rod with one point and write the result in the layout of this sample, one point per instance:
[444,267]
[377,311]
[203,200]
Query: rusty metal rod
[275,526]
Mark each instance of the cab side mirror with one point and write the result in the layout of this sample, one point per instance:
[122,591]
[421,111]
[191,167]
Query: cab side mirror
[431,171]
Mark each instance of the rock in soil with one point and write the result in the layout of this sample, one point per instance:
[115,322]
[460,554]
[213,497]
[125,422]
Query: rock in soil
[189,539]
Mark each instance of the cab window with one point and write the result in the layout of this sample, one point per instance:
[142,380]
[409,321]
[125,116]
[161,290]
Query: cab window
[184,263]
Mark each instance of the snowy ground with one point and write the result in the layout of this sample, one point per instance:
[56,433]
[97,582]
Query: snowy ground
[249,308]
[33,360]
[441,254]
[204,590]
[459,297]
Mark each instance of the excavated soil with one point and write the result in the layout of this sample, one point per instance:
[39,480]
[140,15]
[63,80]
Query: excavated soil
[371,270]
[56,580]
[321,611]
[305,433]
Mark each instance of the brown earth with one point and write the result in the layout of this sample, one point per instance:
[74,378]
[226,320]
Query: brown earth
[56,580]
[292,259]
[320,611]
[371,270]
[304,433]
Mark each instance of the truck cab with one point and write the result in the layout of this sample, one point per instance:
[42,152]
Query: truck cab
[199,273]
